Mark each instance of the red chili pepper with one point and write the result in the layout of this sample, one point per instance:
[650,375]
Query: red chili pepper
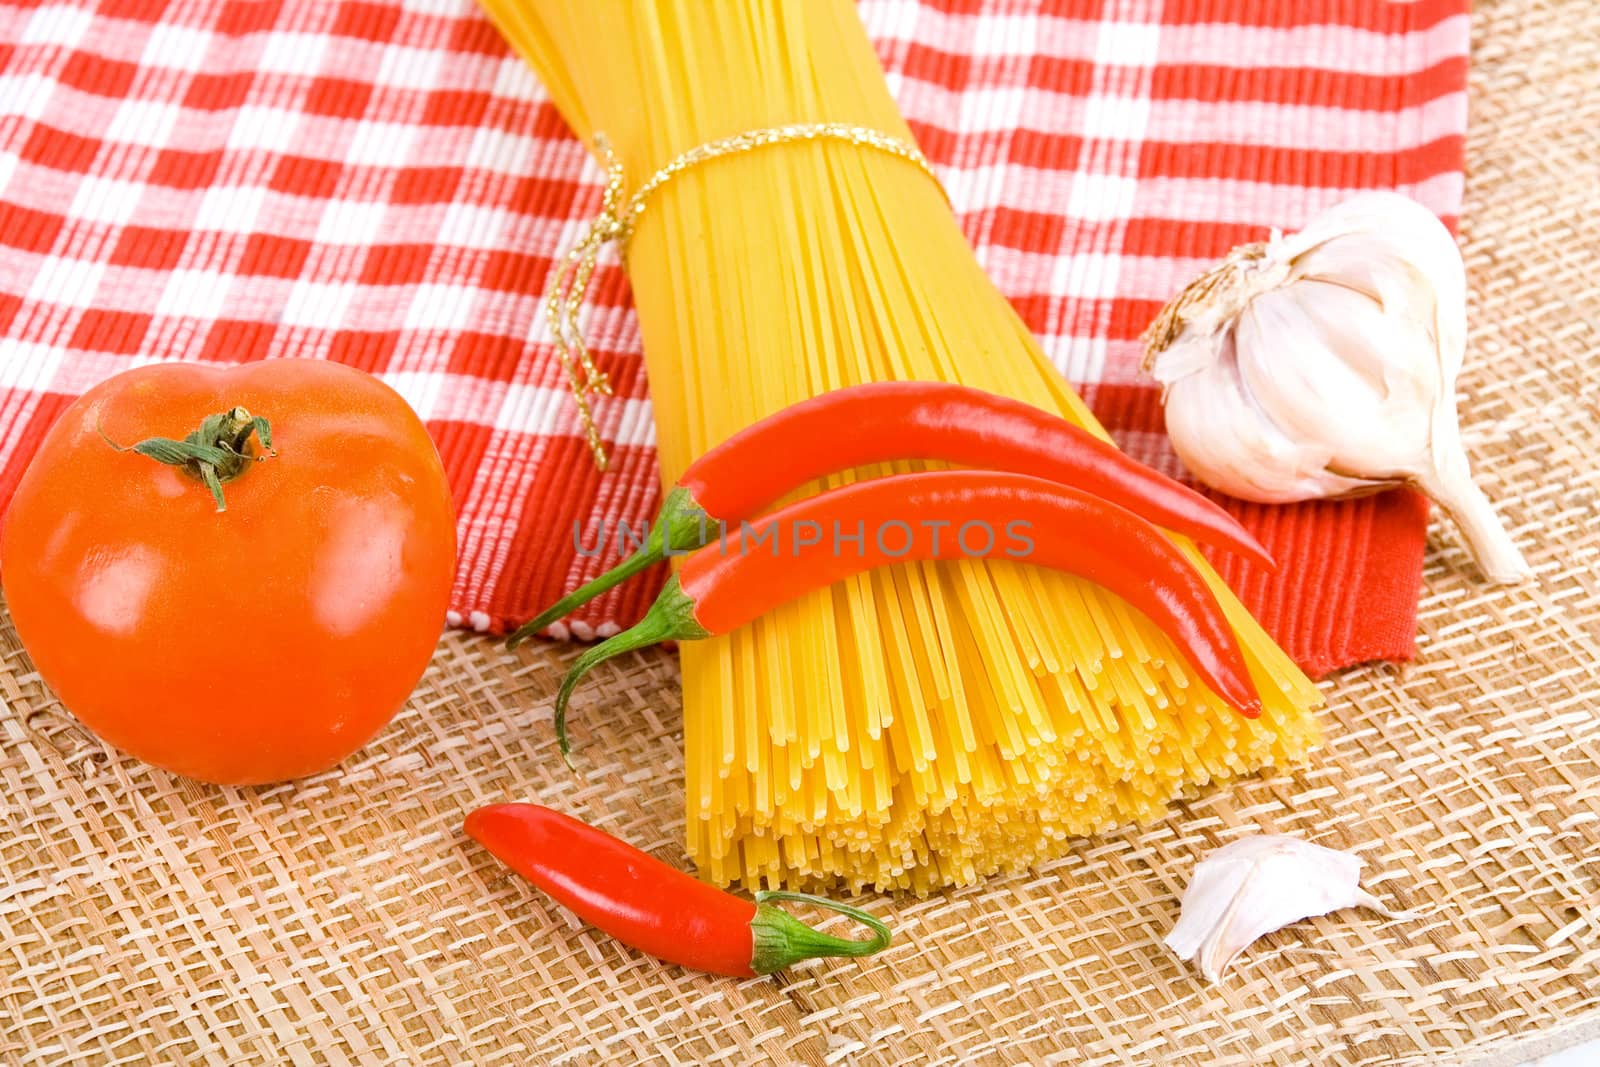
[655,908]
[883,421]
[716,591]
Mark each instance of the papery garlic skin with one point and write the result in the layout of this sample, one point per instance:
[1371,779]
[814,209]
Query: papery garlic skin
[1323,364]
[1259,884]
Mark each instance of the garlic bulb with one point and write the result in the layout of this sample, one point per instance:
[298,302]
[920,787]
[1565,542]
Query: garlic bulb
[1323,364]
[1259,884]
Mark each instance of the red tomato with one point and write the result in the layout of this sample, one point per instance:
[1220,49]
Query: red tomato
[255,644]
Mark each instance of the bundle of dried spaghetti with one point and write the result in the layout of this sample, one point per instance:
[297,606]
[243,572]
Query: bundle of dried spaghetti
[923,724]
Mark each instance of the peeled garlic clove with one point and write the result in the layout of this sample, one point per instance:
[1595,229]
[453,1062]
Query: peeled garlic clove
[1323,363]
[1259,884]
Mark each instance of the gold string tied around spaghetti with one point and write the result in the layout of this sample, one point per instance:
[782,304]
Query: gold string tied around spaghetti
[617,219]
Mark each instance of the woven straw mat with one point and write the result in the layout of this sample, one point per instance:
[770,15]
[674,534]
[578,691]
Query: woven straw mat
[345,919]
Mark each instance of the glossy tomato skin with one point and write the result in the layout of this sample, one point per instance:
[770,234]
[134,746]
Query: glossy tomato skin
[262,643]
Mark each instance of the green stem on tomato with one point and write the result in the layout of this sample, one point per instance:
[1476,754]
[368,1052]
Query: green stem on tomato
[219,451]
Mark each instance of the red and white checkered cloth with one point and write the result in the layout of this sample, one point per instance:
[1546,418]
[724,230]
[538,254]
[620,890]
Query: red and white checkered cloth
[386,185]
